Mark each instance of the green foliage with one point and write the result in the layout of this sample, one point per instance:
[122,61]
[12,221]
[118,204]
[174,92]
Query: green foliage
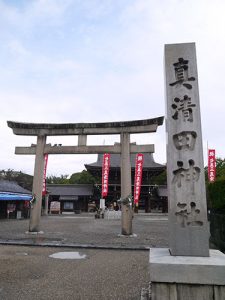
[220,168]
[217,230]
[21,178]
[161,179]
[216,190]
[83,177]
[9,174]
[25,180]
[62,179]
[216,194]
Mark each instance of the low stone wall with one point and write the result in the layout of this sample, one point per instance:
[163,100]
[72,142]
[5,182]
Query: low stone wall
[186,277]
[163,291]
[217,230]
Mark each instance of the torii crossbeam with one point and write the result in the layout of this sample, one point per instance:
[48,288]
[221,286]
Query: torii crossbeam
[82,130]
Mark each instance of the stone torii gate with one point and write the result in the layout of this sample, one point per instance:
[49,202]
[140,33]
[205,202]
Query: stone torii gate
[125,148]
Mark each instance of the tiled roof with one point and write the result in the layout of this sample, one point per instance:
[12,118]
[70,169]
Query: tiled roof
[115,161]
[70,189]
[13,187]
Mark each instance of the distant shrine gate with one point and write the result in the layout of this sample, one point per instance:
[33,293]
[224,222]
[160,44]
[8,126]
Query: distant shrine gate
[82,130]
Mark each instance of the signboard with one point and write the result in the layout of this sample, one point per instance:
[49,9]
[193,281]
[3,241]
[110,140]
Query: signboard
[138,177]
[211,165]
[105,174]
[44,177]
[102,204]
[55,206]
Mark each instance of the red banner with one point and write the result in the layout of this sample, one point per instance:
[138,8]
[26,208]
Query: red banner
[44,175]
[105,174]
[211,165]
[138,177]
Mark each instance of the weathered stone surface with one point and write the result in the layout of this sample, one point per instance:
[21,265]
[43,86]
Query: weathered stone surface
[188,270]
[127,211]
[42,130]
[165,267]
[137,126]
[172,291]
[219,292]
[84,149]
[82,140]
[188,225]
[163,291]
[35,212]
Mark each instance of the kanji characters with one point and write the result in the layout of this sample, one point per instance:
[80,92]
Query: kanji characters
[138,176]
[188,218]
[184,106]
[211,165]
[105,174]
[185,140]
[191,174]
[181,74]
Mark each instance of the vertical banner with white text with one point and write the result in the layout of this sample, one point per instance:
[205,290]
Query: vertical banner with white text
[44,177]
[105,174]
[138,177]
[211,165]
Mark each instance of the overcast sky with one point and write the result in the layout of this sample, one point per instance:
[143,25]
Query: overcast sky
[102,60]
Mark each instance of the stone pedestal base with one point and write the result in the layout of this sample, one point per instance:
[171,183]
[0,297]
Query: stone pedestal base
[186,277]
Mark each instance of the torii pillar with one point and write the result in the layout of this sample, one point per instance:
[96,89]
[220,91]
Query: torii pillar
[124,129]
[35,213]
[127,211]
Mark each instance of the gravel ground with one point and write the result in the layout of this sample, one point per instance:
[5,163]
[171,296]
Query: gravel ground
[84,229]
[28,273]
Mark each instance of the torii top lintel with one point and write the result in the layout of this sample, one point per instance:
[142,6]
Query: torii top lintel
[37,129]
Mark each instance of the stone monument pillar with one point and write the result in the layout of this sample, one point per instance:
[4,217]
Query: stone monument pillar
[36,203]
[127,210]
[188,225]
[188,270]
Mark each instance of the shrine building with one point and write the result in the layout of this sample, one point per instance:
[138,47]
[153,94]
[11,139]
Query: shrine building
[152,197]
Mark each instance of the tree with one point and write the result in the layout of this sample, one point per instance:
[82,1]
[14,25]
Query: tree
[220,169]
[62,179]
[216,190]
[83,177]
[24,180]
[8,174]
[160,179]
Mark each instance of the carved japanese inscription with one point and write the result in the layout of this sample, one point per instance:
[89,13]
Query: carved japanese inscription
[188,215]
[185,140]
[181,175]
[184,107]
[181,74]
[185,169]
